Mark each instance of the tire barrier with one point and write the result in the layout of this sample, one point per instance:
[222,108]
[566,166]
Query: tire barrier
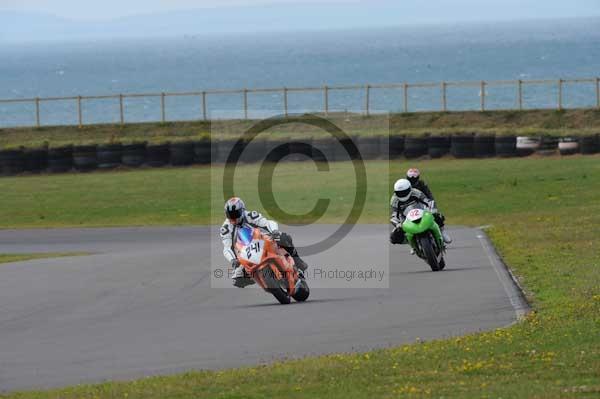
[224,148]
[568,146]
[85,158]
[527,145]
[484,146]
[12,162]
[182,153]
[462,146]
[294,147]
[36,160]
[548,145]
[589,144]
[157,155]
[415,147]
[109,155]
[60,160]
[255,151]
[505,146]
[202,152]
[395,146]
[327,148]
[438,146]
[370,147]
[133,155]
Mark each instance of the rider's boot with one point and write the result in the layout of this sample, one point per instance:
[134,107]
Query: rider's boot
[447,239]
[300,264]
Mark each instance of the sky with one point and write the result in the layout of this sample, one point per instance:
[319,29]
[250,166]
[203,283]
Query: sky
[440,9]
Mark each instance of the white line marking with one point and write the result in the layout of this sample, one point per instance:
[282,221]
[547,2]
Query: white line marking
[511,292]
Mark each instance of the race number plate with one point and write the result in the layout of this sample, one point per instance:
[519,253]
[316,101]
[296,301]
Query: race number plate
[415,214]
[253,252]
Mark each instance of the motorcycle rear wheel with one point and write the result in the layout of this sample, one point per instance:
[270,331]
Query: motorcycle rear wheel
[426,244]
[302,292]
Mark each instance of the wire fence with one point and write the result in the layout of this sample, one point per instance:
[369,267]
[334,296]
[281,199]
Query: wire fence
[588,88]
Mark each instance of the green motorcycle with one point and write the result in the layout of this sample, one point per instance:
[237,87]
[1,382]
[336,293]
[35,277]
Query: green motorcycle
[425,237]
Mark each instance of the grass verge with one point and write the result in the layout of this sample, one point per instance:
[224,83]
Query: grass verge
[545,215]
[11,258]
[551,122]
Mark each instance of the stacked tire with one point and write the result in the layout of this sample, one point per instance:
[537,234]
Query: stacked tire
[396,146]
[505,146]
[182,153]
[157,155]
[12,162]
[369,148]
[462,146]
[60,160]
[133,155]
[484,146]
[548,145]
[36,160]
[589,144]
[527,145]
[85,158]
[109,156]
[438,146]
[568,146]
[415,147]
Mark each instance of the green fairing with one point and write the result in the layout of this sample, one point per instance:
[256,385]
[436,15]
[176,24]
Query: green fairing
[427,223]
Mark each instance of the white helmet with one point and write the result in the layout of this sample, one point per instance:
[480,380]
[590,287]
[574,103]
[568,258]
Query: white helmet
[403,188]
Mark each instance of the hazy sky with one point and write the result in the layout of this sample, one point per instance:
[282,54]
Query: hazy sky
[94,9]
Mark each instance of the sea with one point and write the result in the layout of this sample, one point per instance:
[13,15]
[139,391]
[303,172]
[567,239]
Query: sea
[526,50]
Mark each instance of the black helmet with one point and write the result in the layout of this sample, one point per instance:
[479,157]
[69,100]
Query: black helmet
[413,175]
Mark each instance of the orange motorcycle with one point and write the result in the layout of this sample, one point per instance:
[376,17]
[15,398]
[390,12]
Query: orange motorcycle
[270,265]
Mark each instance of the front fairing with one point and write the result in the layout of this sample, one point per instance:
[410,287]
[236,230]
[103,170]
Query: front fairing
[427,223]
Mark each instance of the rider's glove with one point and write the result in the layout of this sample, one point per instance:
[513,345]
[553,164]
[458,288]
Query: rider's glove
[235,264]
[276,236]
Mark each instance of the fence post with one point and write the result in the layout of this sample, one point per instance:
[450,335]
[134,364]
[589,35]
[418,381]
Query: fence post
[444,104]
[482,89]
[405,90]
[245,103]
[79,113]
[285,101]
[204,105]
[37,112]
[598,92]
[520,94]
[367,99]
[326,99]
[163,116]
[560,96]
[121,110]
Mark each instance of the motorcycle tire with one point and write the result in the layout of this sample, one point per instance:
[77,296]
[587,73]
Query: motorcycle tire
[426,244]
[302,292]
[274,287]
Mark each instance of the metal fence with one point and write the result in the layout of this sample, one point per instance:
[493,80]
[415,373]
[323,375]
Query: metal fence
[366,90]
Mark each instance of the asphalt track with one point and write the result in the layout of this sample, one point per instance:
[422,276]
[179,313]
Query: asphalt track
[146,304]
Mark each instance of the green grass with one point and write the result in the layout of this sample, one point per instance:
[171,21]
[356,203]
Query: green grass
[11,258]
[545,215]
[566,122]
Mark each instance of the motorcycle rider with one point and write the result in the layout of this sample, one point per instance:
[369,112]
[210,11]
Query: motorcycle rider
[413,175]
[404,196]
[238,216]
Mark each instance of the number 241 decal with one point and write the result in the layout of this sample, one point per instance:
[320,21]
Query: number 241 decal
[252,247]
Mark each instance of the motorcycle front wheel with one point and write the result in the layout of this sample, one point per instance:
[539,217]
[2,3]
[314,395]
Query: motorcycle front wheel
[276,287]
[426,244]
